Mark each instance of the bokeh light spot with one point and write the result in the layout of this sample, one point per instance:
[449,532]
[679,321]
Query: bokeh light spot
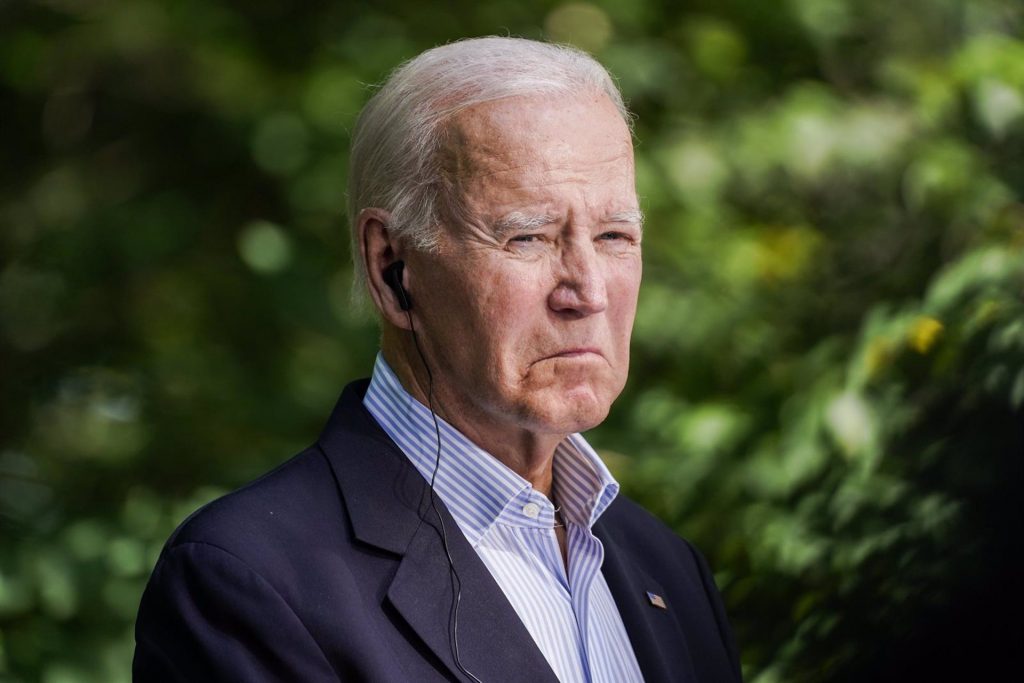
[265,247]
[580,24]
[281,144]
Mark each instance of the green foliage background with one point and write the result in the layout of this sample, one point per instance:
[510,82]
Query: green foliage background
[828,372]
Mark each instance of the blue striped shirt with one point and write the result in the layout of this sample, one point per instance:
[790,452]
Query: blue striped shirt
[571,616]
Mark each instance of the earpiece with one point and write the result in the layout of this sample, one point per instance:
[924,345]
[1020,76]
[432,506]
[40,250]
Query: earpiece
[393,278]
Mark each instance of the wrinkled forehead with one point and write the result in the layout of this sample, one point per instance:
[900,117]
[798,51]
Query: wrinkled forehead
[545,131]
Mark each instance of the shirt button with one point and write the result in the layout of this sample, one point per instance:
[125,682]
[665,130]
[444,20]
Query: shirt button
[531,510]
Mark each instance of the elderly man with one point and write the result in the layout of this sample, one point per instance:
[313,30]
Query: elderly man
[451,523]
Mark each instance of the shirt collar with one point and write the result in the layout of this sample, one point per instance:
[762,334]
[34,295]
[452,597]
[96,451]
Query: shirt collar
[476,487]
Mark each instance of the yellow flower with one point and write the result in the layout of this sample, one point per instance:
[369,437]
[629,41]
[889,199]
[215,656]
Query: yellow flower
[923,333]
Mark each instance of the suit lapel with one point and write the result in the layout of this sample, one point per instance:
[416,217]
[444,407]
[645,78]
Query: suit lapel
[658,642]
[389,505]
[493,644]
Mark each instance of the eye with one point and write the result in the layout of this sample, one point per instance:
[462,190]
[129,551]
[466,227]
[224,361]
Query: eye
[612,235]
[526,238]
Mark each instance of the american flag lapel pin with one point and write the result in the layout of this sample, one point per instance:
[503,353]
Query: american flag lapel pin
[656,600]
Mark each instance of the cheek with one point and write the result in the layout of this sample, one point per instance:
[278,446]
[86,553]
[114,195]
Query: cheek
[503,290]
[499,312]
[623,291]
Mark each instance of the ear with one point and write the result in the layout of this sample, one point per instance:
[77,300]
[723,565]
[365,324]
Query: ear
[378,249]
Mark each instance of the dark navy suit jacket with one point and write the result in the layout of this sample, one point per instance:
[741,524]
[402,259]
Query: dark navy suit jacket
[332,567]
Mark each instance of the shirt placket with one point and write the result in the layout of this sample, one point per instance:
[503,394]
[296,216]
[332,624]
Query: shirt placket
[536,530]
[586,555]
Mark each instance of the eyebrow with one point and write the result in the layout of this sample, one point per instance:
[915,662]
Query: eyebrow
[632,216]
[517,221]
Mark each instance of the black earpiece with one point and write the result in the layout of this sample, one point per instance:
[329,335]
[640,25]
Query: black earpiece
[393,277]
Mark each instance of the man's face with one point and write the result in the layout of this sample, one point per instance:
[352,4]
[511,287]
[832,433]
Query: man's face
[526,308]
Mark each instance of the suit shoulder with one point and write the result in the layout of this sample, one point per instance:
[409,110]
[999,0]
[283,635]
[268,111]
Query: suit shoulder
[287,502]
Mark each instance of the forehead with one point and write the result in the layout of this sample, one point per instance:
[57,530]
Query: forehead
[539,146]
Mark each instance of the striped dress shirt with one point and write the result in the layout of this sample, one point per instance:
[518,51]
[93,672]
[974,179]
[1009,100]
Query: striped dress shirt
[570,615]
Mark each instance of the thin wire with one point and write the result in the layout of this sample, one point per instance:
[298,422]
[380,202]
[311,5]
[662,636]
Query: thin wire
[456,581]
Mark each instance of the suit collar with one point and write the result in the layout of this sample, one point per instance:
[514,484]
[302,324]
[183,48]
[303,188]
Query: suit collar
[382,493]
[389,505]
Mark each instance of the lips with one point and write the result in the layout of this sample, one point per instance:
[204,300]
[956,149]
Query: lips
[576,352]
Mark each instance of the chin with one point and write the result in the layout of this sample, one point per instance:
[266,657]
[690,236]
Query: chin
[570,412]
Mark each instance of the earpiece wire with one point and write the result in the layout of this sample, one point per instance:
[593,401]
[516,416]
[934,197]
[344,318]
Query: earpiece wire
[456,581]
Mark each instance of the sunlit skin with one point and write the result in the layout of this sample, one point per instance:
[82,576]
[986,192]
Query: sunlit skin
[525,310]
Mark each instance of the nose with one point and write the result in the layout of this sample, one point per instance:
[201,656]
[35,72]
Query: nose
[580,290]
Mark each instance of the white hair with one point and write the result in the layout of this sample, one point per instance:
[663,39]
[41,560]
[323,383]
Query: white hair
[397,140]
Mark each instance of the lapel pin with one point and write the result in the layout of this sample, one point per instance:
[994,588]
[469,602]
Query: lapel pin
[656,600]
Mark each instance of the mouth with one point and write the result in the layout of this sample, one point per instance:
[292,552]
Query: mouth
[576,352]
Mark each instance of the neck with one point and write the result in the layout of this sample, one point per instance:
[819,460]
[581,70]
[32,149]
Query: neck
[528,454]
